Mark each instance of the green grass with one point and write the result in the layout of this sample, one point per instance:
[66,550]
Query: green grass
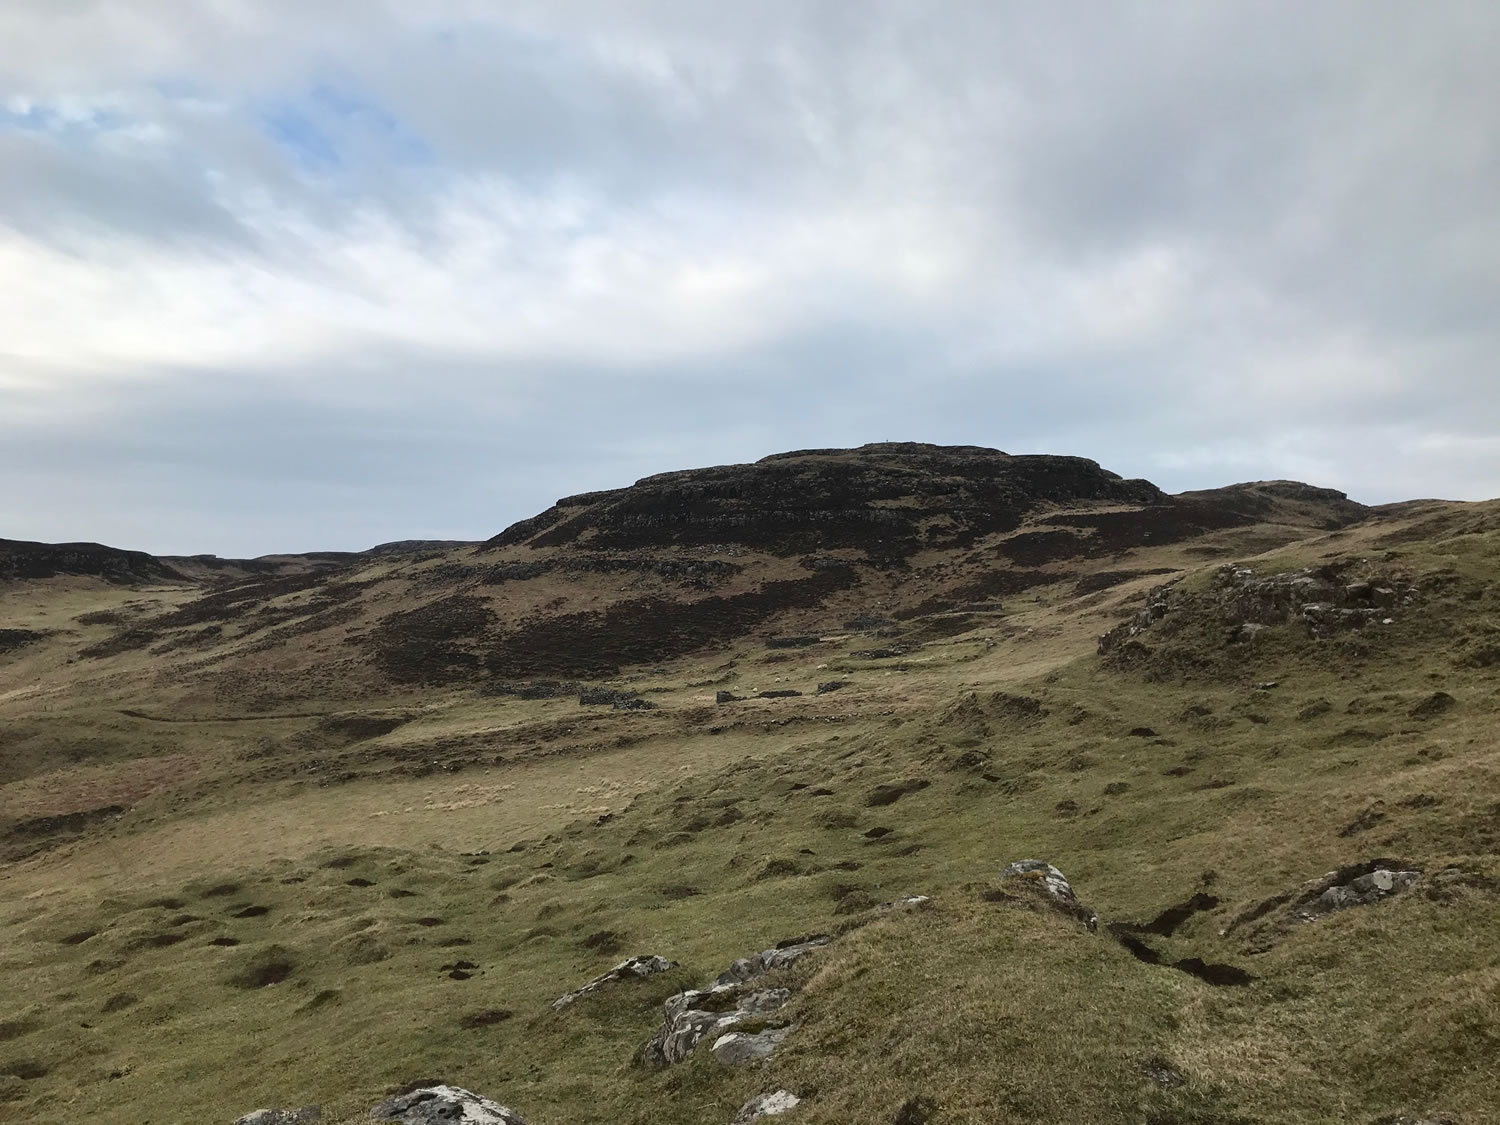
[721,844]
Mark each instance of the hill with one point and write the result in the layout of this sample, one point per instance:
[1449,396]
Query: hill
[351,825]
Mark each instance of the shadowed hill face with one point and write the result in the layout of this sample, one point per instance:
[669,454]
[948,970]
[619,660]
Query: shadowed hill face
[21,560]
[888,500]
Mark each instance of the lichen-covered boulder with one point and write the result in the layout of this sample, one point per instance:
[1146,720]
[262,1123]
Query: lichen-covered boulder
[738,1048]
[637,968]
[910,902]
[1039,878]
[698,1013]
[694,1015]
[773,1104]
[445,1105]
[304,1116]
[748,968]
[1360,884]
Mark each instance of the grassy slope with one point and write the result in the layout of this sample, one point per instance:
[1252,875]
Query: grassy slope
[995,1013]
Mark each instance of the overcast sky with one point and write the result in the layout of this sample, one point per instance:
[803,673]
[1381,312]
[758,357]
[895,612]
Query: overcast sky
[298,274]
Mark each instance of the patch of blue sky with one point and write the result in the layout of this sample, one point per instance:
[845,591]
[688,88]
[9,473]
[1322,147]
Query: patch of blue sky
[320,129]
[38,117]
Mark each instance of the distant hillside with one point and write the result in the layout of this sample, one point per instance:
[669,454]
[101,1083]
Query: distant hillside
[935,538]
[20,561]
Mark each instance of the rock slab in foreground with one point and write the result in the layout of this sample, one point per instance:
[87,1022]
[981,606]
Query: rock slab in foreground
[445,1105]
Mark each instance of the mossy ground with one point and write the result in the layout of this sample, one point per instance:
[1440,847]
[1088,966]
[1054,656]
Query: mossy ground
[122,999]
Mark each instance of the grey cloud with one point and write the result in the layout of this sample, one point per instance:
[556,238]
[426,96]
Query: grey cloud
[1325,173]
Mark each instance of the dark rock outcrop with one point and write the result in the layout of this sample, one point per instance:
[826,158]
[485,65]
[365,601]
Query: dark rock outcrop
[826,499]
[1322,600]
[21,560]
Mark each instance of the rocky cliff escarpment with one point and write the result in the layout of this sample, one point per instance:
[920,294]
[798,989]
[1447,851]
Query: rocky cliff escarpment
[890,500]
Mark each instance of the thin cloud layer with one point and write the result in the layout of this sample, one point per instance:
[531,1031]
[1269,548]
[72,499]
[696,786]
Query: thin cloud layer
[277,276]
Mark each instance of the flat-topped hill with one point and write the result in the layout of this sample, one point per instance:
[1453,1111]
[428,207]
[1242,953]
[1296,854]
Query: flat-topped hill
[890,500]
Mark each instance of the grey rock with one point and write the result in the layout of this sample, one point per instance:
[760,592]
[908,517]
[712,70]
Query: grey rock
[304,1116]
[738,1048]
[634,703]
[747,968]
[831,685]
[691,1016]
[726,697]
[910,902]
[1054,885]
[1361,884]
[773,1104]
[1359,890]
[694,1015]
[445,1105]
[637,968]
[1158,604]
[1317,597]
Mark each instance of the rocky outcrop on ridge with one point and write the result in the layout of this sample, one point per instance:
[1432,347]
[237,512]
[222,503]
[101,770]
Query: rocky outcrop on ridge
[888,499]
[20,560]
[1323,600]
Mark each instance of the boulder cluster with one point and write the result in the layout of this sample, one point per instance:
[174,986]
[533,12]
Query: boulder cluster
[1321,599]
[731,1001]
